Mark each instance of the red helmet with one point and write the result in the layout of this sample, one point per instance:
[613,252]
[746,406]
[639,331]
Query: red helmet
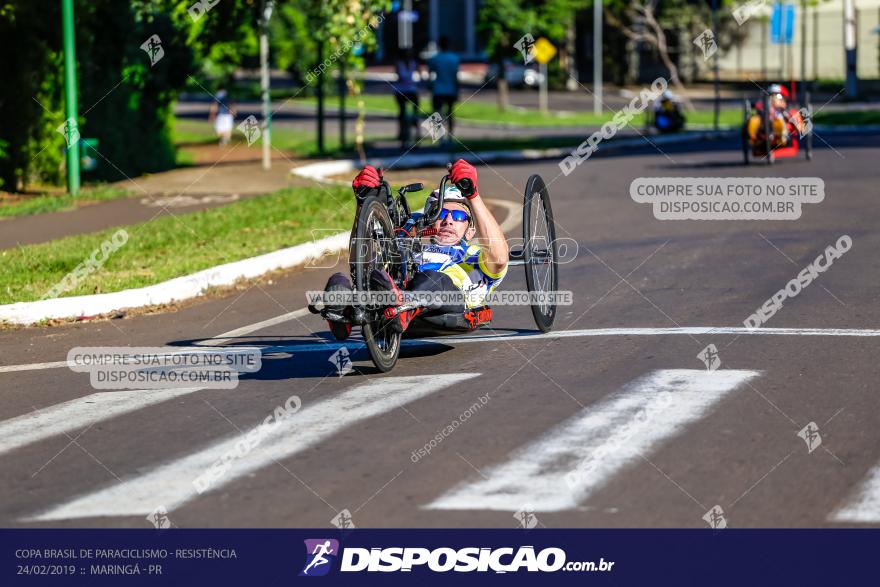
[778,89]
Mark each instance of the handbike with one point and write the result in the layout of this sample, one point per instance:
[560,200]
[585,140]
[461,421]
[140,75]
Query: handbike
[384,239]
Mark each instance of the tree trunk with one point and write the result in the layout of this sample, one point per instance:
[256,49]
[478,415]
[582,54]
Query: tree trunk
[663,50]
[503,93]
[571,81]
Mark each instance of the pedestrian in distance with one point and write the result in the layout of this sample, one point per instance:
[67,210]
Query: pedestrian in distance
[222,114]
[444,65]
[406,91]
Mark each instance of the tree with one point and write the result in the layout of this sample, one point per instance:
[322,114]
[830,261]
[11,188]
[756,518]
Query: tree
[504,22]
[125,99]
[643,25]
[26,130]
[649,20]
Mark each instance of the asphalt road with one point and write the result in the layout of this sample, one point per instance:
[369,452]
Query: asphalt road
[611,428]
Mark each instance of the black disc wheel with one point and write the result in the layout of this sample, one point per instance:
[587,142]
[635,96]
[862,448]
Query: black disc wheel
[746,140]
[375,248]
[540,250]
[808,129]
[768,137]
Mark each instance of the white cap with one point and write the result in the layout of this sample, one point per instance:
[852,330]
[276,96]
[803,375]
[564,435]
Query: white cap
[452,194]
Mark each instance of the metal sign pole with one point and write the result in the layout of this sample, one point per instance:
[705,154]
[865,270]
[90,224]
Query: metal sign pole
[71,108]
[597,56]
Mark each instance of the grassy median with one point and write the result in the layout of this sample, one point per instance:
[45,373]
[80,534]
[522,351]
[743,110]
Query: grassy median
[477,111]
[169,247]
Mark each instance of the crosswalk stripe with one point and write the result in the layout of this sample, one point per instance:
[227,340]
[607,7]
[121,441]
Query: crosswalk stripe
[864,506]
[562,468]
[79,413]
[171,485]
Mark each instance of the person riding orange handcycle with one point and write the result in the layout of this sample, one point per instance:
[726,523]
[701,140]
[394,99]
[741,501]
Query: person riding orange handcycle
[780,117]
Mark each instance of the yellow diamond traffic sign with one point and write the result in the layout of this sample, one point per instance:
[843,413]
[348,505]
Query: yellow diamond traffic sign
[544,50]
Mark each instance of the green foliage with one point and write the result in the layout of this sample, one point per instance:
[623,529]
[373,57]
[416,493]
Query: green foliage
[124,102]
[29,80]
[503,22]
[343,26]
[225,37]
[293,45]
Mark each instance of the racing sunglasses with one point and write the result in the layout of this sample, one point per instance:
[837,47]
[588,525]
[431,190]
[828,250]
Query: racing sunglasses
[457,215]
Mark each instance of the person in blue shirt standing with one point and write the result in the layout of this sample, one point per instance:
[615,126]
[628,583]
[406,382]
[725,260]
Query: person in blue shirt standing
[445,65]
[406,90]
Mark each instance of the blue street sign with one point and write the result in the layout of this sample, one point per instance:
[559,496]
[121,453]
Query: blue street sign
[782,24]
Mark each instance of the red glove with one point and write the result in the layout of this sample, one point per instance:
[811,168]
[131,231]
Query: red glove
[462,170]
[367,178]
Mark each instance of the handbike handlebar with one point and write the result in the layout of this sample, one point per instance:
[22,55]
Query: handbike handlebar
[465,185]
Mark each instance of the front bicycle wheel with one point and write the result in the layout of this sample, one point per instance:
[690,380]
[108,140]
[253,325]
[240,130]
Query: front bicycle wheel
[539,250]
[746,139]
[376,248]
[808,124]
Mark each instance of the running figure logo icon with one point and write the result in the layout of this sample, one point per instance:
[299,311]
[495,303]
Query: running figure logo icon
[250,127]
[526,46]
[710,358]
[715,518]
[706,42]
[320,554]
[153,48]
[810,434]
[341,359]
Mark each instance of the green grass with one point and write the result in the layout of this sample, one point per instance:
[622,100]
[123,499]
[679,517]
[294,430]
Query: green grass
[186,131]
[28,205]
[169,247]
[855,117]
[478,111]
[189,132]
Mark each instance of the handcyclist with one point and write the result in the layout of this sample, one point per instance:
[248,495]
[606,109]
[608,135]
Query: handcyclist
[668,116]
[466,257]
[779,116]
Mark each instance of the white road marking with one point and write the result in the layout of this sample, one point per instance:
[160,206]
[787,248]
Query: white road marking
[171,484]
[864,506]
[79,413]
[32,366]
[216,341]
[514,213]
[530,336]
[562,468]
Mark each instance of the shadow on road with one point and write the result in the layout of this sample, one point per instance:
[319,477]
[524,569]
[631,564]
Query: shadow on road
[313,357]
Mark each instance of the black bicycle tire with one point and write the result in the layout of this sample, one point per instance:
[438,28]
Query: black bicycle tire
[384,360]
[535,185]
[808,138]
[768,145]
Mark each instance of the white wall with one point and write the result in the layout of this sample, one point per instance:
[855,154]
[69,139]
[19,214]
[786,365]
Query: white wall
[830,44]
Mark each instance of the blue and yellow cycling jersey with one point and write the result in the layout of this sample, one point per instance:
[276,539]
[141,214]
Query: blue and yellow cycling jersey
[465,265]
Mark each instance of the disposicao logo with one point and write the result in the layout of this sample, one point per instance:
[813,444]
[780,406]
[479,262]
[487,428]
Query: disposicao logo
[320,554]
